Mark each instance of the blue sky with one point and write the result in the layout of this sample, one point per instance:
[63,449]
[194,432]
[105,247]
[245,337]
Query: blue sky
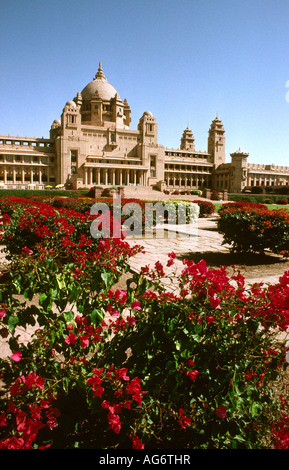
[186,61]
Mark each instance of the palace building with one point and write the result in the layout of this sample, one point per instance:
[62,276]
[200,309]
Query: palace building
[92,144]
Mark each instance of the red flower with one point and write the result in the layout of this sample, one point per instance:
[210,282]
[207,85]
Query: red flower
[192,374]
[114,422]
[3,421]
[122,373]
[172,257]
[134,388]
[184,421]
[209,319]
[70,339]
[136,442]
[221,411]
[215,302]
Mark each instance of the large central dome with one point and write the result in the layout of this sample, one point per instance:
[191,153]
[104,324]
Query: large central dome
[99,85]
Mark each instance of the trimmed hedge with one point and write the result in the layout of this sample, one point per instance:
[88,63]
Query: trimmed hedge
[44,192]
[253,229]
[260,198]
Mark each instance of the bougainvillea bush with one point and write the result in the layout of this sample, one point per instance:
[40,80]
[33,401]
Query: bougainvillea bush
[206,208]
[197,361]
[249,228]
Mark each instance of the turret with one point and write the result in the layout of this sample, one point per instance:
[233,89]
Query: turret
[188,140]
[216,142]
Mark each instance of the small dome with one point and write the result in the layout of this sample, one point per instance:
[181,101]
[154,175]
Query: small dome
[100,86]
[56,123]
[148,113]
[71,104]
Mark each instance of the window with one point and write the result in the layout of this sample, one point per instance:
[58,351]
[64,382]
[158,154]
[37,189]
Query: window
[71,119]
[112,138]
[73,156]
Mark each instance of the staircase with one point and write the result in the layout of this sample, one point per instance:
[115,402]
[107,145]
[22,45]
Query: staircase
[142,192]
[149,194]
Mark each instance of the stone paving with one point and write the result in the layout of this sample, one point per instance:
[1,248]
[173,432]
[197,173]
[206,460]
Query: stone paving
[186,241]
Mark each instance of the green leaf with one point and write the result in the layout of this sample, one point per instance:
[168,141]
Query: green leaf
[60,281]
[12,323]
[68,316]
[96,316]
[42,297]
[106,277]
[256,409]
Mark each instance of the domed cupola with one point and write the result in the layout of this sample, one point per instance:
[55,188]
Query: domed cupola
[99,87]
[101,104]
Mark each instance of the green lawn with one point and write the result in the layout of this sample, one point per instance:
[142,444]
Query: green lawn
[270,206]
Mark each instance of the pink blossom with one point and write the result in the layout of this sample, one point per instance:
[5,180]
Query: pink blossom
[136,305]
[70,339]
[2,313]
[27,250]
[16,356]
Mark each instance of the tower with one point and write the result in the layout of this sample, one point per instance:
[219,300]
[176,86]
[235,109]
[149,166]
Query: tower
[216,142]
[188,140]
[238,176]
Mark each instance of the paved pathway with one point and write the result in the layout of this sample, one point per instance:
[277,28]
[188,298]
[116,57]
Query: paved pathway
[203,238]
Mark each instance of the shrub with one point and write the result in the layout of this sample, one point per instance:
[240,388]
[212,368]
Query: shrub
[241,204]
[206,208]
[282,201]
[194,360]
[268,201]
[252,229]
[257,190]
